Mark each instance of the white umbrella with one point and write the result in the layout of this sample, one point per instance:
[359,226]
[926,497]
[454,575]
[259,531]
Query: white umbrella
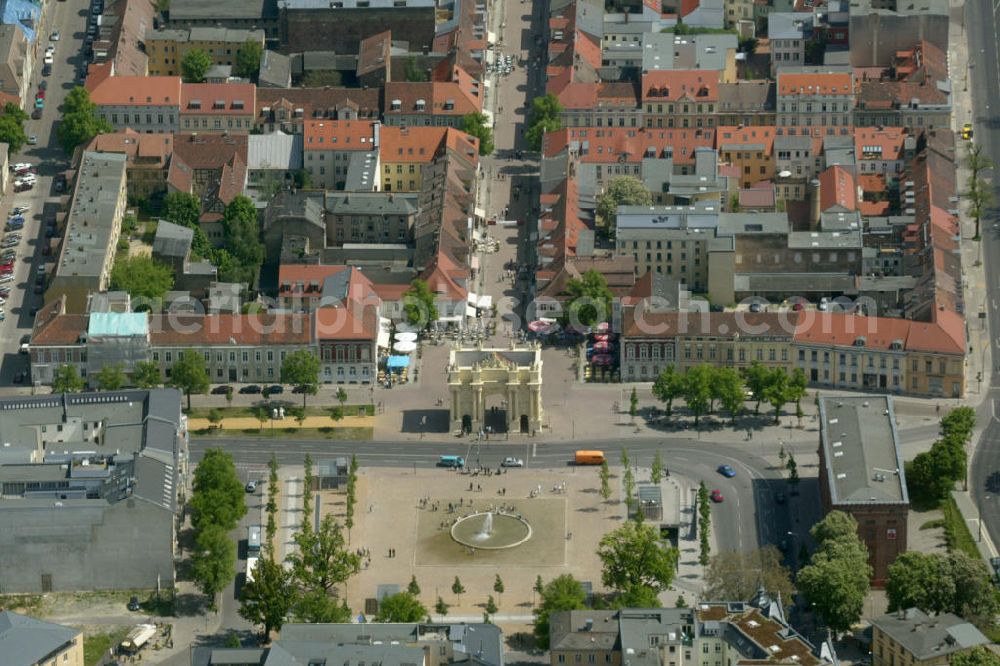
[406,336]
[405,346]
[407,328]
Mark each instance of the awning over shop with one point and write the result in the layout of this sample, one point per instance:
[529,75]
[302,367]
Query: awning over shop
[384,332]
[485,302]
[470,311]
[397,362]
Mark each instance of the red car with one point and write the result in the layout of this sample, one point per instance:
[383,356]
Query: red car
[716,496]
[40,94]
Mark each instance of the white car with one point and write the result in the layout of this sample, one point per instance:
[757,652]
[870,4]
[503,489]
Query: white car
[512,462]
[48,60]
[22,166]
[54,36]
[50,49]
[6,278]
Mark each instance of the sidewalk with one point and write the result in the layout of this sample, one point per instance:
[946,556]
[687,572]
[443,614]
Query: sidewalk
[246,423]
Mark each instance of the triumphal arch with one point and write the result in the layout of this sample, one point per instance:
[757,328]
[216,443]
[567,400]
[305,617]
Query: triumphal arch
[510,378]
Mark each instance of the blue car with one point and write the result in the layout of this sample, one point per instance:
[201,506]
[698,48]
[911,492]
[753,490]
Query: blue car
[726,471]
[15,220]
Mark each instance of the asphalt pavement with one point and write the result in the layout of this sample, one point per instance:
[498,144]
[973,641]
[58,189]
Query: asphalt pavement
[70,19]
[981,28]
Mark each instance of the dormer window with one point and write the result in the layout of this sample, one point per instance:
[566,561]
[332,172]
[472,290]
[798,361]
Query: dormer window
[219,104]
[397,105]
[420,105]
[194,104]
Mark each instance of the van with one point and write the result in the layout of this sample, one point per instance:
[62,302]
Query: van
[589,457]
[253,540]
[451,461]
[251,568]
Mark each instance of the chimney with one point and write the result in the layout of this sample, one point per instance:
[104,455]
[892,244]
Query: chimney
[814,205]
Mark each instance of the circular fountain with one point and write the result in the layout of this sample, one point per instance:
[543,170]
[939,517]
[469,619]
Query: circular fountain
[490,530]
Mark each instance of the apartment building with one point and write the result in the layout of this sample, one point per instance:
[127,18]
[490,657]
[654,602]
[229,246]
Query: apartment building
[882,150]
[601,104]
[288,109]
[93,225]
[913,637]
[750,150]
[146,104]
[747,103]
[328,146]
[797,161]
[431,103]
[17,57]
[669,240]
[218,107]
[815,100]
[711,634]
[405,151]
[653,340]
[166,48]
[370,217]
[787,34]
[147,159]
[680,98]
[861,473]
[914,93]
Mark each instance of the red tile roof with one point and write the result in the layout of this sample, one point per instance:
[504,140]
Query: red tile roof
[615,144]
[231,99]
[137,91]
[345,323]
[410,144]
[822,83]
[341,135]
[674,85]
[837,188]
[886,143]
[738,137]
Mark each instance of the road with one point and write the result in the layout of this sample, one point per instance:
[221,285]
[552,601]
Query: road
[981,26]
[70,19]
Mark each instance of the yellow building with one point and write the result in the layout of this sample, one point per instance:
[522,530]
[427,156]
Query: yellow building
[30,642]
[404,151]
[750,149]
[167,48]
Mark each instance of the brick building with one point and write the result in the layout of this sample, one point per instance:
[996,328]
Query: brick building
[861,474]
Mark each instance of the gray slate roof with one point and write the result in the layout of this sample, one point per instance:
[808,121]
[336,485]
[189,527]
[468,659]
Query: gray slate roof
[276,151]
[926,636]
[25,641]
[172,240]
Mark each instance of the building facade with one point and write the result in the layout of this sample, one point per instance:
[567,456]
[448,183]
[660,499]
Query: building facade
[145,104]
[166,48]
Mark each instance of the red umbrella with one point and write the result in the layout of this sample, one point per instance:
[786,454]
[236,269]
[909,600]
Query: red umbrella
[602,327]
[601,359]
[601,337]
[600,346]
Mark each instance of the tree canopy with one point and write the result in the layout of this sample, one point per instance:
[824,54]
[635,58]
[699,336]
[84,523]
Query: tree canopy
[301,369]
[142,276]
[419,304]
[267,599]
[622,191]
[727,577]
[213,563]
[401,607]
[478,125]
[837,578]
[12,127]
[146,374]
[111,377]
[589,300]
[636,556]
[977,656]
[195,65]
[241,235]
[247,62]
[189,375]
[544,117]
[563,593]
[217,495]
[66,379]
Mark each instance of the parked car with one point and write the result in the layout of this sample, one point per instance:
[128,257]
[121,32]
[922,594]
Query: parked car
[40,94]
[19,210]
[221,389]
[33,140]
[251,486]
[54,36]
[21,166]
[6,278]
[133,604]
[716,496]
[273,389]
[46,70]
[252,389]
[36,114]
[40,103]
[512,462]
[48,59]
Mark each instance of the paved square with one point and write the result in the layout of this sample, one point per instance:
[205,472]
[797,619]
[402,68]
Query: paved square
[546,547]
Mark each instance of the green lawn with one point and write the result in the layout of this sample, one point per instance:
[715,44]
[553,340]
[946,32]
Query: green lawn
[96,646]
[345,433]
[248,412]
[956,531]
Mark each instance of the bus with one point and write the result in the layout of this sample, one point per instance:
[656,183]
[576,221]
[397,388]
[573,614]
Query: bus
[451,461]
[253,540]
[589,457]
[251,567]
